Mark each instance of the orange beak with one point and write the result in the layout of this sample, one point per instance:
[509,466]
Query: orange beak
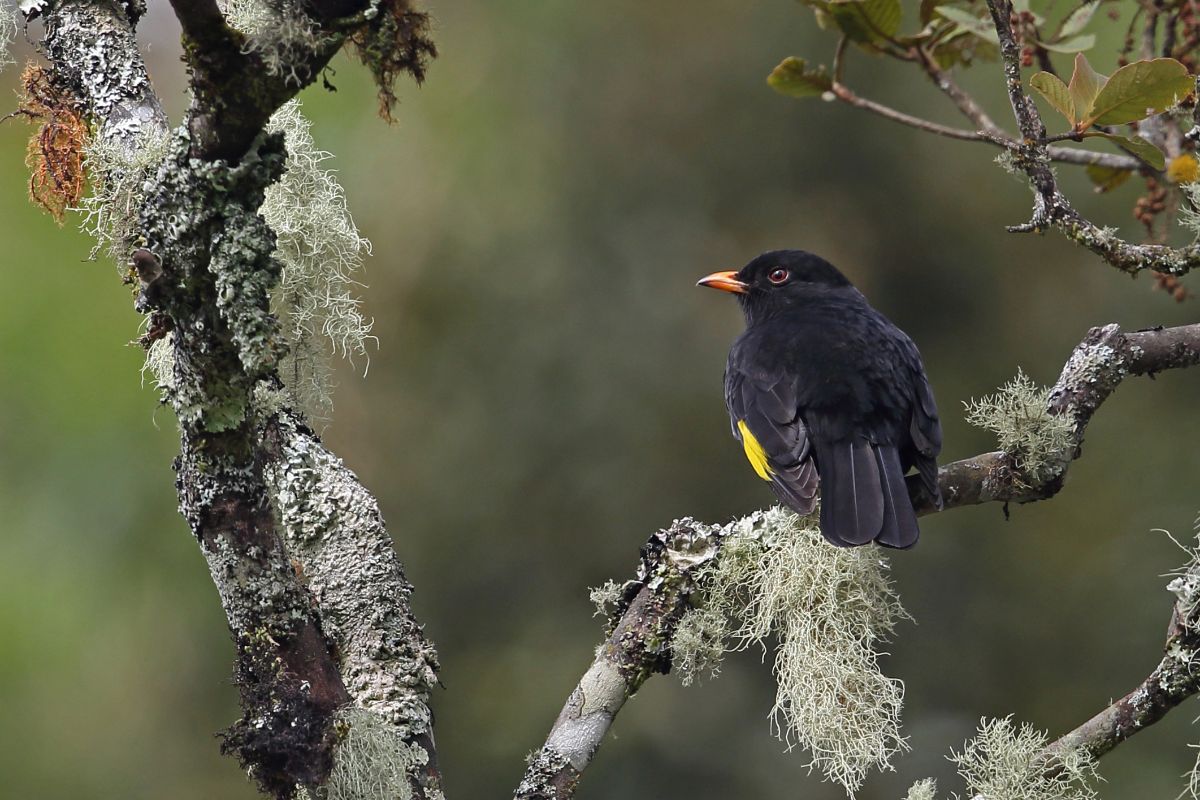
[726,281]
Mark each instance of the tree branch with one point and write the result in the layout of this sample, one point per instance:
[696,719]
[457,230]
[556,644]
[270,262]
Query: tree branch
[316,600]
[639,644]
[987,132]
[1050,207]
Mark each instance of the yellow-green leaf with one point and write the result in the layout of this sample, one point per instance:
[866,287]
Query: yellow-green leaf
[795,78]
[1136,145]
[867,21]
[967,21]
[1078,19]
[1052,88]
[1073,44]
[1140,89]
[1106,178]
[1085,84]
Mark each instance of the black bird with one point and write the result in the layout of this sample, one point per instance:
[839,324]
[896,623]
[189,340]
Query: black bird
[822,388]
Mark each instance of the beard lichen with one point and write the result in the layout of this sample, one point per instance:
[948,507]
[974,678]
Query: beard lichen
[1017,414]
[925,789]
[322,253]
[8,31]
[118,172]
[280,32]
[1007,762]
[828,607]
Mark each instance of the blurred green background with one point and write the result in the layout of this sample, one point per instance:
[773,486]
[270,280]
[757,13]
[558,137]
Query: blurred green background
[547,391]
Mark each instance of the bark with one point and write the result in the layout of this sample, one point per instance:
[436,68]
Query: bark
[316,600]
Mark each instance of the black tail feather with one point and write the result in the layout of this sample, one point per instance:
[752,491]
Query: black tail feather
[852,507]
[899,520]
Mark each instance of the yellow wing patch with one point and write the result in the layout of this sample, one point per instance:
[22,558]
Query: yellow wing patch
[754,452]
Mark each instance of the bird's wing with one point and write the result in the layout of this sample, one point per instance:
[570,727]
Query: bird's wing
[766,419]
[926,431]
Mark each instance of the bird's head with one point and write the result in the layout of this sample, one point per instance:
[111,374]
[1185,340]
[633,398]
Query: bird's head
[778,280]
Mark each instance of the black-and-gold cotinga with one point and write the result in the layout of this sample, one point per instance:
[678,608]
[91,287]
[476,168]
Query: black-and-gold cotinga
[824,390]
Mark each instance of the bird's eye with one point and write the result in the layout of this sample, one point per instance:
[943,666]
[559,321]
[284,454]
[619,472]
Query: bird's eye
[778,275]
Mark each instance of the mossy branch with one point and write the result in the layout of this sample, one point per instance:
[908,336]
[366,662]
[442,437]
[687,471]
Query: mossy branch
[316,600]
[660,599]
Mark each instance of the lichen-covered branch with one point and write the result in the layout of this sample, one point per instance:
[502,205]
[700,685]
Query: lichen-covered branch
[1172,681]
[651,610]
[1105,357]
[638,646]
[1050,207]
[333,670]
[95,54]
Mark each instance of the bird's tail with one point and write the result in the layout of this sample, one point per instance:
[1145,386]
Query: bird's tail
[863,495]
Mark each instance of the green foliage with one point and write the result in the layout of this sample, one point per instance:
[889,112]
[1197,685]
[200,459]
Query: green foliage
[1056,93]
[1106,178]
[969,23]
[827,607]
[1004,762]
[1024,428]
[1138,90]
[795,78]
[1132,93]
[1134,144]
[867,22]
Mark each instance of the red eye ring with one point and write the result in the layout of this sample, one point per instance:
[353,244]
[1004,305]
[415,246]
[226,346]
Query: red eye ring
[778,275]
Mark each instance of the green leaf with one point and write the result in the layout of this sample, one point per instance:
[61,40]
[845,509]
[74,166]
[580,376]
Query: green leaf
[982,28]
[1085,84]
[1140,89]
[795,78]
[1052,88]
[1106,178]
[867,21]
[1074,44]
[1078,20]
[1136,145]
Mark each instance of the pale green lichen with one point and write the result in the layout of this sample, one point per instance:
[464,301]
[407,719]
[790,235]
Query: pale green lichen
[372,761]
[280,32]
[1185,581]
[316,243]
[1017,414]
[925,789]
[322,253]
[605,597]
[8,30]
[118,173]
[699,644]
[828,607]
[1007,762]
[160,363]
[1189,217]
